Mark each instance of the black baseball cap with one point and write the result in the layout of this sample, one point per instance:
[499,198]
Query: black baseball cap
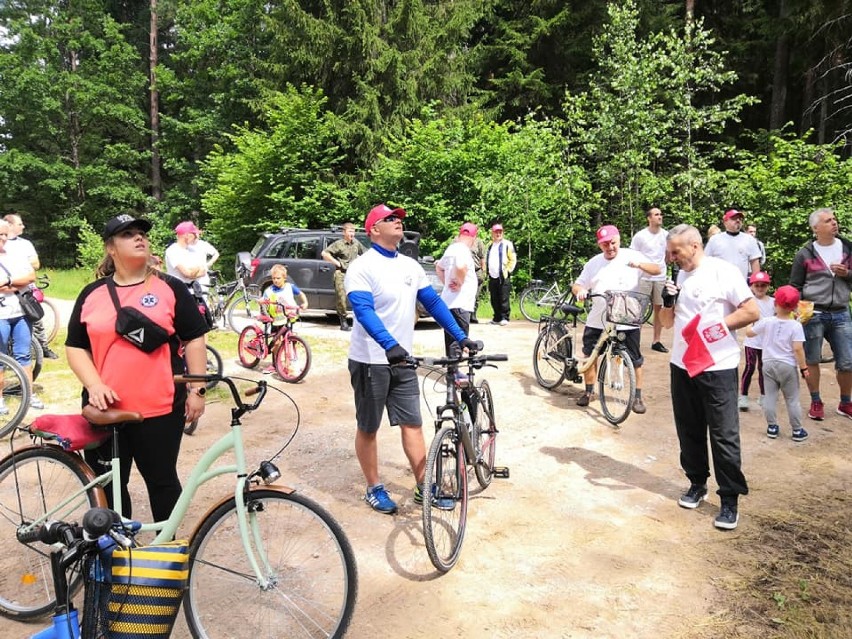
[120,222]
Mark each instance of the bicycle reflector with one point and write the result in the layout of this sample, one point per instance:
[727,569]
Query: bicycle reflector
[269,472]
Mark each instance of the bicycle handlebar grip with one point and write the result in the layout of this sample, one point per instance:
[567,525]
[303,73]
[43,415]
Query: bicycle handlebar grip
[30,536]
[498,358]
[252,391]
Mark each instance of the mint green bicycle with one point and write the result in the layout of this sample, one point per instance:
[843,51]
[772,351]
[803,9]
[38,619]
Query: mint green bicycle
[264,561]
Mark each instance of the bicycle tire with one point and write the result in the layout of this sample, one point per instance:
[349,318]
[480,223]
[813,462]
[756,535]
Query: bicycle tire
[214,365]
[315,580]
[250,346]
[51,320]
[242,311]
[16,394]
[531,303]
[36,357]
[41,477]
[616,385]
[486,435]
[443,530]
[549,363]
[292,359]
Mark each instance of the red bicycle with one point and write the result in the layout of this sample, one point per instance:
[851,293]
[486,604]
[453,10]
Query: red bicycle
[291,355]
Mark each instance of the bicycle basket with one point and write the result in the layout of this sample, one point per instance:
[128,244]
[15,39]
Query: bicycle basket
[135,592]
[626,307]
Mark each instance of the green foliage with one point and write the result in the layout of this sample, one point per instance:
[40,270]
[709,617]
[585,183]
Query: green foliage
[281,174]
[66,284]
[90,247]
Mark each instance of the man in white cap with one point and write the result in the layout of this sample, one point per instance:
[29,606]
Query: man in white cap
[457,271]
[734,246]
[613,269]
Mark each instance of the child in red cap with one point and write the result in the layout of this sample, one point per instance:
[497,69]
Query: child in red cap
[783,352]
[759,284]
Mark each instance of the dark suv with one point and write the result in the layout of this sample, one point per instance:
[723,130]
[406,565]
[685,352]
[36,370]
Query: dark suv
[300,250]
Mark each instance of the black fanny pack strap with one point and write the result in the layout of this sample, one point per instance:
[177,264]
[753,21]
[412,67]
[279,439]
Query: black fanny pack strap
[111,288]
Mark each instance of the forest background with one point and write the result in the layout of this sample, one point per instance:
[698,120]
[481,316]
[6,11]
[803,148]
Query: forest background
[551,116]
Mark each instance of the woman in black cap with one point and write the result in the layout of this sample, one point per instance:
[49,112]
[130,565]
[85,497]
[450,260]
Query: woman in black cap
[130,364]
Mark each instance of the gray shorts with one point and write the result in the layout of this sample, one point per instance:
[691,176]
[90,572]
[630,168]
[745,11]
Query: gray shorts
[380,386]
[653,289]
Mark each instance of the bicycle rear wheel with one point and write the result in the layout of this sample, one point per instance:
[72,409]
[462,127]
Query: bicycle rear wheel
[32,483]
[550,355]
[51,320]
[250,346]
[616,385]
[242,311]
[313,580]
[292,358]
[443,530]
[486,435]
[534,303]
[16,393]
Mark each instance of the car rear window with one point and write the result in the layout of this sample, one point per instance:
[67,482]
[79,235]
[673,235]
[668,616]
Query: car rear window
[258,245]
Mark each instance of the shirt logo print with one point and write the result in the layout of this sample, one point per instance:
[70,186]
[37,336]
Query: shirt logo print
[149,300]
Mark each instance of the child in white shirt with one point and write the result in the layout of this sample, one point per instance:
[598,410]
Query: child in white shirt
[759,284]
[783,352]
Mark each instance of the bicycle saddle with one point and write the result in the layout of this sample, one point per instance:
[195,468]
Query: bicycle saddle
[110,416]
[570,309]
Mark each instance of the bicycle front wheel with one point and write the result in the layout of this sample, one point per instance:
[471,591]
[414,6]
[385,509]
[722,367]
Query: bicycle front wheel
[309,566]
[534,303]
[241,312]
[549,355]
[616,385]
[486,435]
[250,346]
[444,526]
[292,359]
[32,484]
[51,320]
[16,393]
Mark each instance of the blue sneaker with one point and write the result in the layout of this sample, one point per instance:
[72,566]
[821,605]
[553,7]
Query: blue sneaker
[772,431]
[379,500]
[444,503]
[800,435]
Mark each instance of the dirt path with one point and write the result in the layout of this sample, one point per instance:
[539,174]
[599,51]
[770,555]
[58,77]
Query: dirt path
[584,540]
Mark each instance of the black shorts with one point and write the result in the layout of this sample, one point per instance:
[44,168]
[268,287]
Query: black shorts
[631,341]
[380,386]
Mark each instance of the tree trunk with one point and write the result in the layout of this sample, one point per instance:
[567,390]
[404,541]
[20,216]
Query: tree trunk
[690,11]
[74,133]
[807,101]
[780,74]
[156,179]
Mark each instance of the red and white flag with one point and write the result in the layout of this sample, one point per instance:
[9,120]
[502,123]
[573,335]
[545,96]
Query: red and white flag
[704,334]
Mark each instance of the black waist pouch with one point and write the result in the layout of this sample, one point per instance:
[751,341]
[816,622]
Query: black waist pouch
[136,327]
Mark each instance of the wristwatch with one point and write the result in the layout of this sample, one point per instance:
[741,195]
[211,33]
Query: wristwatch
[201,391]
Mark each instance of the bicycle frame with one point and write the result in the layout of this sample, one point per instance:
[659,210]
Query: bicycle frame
[202,473]
[454,406]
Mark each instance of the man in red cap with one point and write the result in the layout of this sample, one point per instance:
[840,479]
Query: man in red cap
[734,246]
[457,271]
[181,261]
[383,288]
[500,261]
[613,269]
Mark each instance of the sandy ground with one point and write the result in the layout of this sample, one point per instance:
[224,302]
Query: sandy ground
[584,540]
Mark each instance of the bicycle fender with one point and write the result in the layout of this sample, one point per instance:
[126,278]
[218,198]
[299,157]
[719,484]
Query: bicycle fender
[286,490]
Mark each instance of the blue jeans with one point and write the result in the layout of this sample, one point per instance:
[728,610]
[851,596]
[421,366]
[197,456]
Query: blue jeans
[18,330]
[836,327]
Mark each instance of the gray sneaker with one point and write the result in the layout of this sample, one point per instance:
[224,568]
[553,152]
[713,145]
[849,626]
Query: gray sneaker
[727,518]
[36,403]
[693,497]
[4,410]
[742,402]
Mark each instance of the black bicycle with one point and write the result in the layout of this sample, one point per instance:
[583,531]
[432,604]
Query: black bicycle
[466,436]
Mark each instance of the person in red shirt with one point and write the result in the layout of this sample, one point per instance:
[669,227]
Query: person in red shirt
[117,373]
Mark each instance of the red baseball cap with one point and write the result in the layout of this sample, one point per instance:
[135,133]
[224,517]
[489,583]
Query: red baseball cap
[732,213]
[186,227]
[787,297]
[469,229]
[497,227]
[607,234]
[761,277]
[380,212]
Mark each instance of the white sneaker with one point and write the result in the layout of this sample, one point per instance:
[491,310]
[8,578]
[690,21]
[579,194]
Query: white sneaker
[4,410]
[36,403]
[504,322]
[742,402]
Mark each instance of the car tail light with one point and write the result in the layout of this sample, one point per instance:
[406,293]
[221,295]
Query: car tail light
[254,264]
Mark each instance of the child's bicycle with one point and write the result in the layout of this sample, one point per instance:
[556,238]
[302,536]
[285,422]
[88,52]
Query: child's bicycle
[291,355]
[264,561]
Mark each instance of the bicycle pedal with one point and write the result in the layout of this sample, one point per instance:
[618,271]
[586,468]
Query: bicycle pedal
[502,472]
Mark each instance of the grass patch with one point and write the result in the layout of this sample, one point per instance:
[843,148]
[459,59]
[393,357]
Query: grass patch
[792,572]
[66,284]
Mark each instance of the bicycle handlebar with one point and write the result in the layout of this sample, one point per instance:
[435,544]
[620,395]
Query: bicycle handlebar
[96,523]
[260,389]
[475,360]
